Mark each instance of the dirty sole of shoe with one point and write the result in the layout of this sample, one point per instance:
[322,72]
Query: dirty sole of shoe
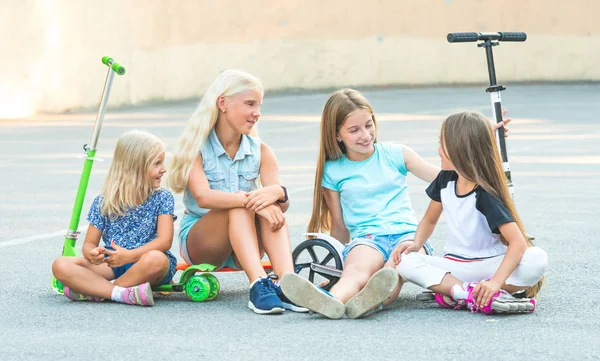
[305,294]
[377,290]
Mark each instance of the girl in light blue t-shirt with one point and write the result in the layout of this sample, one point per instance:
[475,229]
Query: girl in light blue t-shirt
[363,201]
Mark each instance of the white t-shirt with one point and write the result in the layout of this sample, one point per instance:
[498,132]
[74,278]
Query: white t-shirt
[473,219]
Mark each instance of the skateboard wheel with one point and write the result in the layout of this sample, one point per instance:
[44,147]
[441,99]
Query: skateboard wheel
[197,288]
[57,286]
[215,286]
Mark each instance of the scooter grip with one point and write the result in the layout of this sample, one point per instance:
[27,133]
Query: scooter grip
[513,36]
[118,68]
[462,37]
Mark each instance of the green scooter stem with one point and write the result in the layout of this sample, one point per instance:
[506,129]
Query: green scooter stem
[71,238]
[72,233]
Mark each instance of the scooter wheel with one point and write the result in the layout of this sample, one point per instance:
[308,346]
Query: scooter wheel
[316,250]
[197,288]
[215,286]
[57,286]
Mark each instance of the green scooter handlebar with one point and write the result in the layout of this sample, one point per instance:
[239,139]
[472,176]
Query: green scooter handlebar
[118,68]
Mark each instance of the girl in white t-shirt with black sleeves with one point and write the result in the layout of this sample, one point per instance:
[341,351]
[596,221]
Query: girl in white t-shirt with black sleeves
[487,257]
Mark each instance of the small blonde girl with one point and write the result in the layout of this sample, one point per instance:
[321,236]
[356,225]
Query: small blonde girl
[133,217]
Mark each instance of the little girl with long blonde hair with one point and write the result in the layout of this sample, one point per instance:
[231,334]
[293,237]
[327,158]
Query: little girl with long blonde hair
[133,217]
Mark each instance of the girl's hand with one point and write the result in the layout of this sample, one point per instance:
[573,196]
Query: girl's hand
[259,199]
[484,291]
[404,247]
[274,215]
[96,255]
[505,121]
[120,256]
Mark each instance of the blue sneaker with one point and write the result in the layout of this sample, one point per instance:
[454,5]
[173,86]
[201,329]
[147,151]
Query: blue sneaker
[287,304]
[303,293]
[263,297]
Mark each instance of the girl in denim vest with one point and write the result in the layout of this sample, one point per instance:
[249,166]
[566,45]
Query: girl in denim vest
[229,221]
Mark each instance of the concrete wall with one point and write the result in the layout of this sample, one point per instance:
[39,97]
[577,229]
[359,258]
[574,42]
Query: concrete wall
[174,48]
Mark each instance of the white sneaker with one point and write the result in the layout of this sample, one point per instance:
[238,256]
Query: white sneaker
[303,293]
[379,288]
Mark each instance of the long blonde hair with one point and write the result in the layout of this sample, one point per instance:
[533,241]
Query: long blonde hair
[128,180]
[338,107]
[470,145]
[203,120]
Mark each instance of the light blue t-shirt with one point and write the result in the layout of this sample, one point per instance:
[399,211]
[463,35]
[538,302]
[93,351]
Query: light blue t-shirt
[226,174]
[373,192]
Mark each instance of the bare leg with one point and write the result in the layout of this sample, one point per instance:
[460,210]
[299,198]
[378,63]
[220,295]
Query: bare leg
[220,233]
[83,277]
[446,285]
[394,295]
[208,239]
[362,262]
[244,241]
[152,267]
[277,246]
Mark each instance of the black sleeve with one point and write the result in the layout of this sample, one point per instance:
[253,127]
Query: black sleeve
[440,182]
[493,209]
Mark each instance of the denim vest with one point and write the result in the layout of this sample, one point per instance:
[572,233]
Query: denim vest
[225,174]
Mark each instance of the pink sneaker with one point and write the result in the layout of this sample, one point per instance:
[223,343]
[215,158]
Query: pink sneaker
[74,296]
[501,302]
[139,295]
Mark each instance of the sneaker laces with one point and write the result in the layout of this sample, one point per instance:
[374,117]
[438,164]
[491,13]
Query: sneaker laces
[268,285]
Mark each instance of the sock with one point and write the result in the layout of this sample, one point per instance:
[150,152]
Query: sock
[458,292]
[117,294]
[256,280]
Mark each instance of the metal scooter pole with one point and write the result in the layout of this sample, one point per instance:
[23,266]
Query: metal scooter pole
[489,40]
[90,150]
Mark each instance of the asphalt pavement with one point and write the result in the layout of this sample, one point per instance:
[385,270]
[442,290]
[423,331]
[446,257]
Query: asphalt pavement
[554,154]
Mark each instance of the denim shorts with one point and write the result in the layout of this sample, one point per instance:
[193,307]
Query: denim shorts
[187,222]
[119,271]
[385,244]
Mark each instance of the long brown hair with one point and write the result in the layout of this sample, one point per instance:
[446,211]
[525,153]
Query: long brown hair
[338,107]
[471,147]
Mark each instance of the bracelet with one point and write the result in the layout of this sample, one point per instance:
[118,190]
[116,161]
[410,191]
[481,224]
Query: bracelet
[285,196]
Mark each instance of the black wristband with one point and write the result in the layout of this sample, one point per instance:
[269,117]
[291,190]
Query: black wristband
[285,196]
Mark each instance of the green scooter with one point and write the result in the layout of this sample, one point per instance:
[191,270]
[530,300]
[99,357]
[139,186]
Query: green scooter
[90,151]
